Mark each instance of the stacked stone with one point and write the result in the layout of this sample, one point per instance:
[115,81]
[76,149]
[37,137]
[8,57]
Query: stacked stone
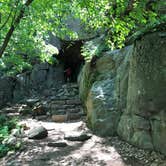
[66,105]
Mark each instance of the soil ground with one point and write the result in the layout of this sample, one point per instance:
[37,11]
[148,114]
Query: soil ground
[96,151]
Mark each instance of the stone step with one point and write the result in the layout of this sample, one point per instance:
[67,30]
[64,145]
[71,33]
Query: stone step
[76,102]
[69,86]
[66,101]
[66,111]
[59,118]
[53,107]
[9,110]
[58,102]
[75,97]
[74,116]
[67,117]
[14,109]
[75,110]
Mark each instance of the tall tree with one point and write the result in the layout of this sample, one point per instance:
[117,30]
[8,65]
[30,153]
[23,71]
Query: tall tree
[13,26]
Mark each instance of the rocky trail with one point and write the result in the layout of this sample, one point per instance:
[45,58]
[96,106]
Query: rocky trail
[54,133]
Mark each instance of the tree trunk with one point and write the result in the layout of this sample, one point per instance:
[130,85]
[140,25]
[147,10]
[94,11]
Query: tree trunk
[12,28]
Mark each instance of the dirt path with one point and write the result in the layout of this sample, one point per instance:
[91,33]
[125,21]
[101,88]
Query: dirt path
[95,151]
[90,152]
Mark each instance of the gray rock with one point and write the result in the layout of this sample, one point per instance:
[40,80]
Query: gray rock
[159,135]
[126,88]
[78,137]
[22,87]
[17,133]
[85,81]
[38,76]
[25,110]
[37,133]
[102,114]
[140,123]
[146,96]
[42,77]
[11,140]
[31,102]
[147,92]
[125,127]
[103,90]
[6,90]
[57,144]
[142,139]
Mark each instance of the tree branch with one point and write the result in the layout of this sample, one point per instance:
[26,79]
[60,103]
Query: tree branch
[3,25]
[12,28]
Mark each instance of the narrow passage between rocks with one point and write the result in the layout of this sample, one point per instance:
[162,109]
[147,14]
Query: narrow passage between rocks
[55,134]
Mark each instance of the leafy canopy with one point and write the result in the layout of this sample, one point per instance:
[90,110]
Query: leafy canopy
[118,19]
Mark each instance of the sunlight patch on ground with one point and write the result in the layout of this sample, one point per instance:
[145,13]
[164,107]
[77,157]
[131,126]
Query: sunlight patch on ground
[93,152]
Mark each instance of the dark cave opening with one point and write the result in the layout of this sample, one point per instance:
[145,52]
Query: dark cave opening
[71,58]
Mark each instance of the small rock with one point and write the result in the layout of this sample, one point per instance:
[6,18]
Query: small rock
[11,140]
[10,153]
[81,137]
[31,102]
[37,133]
[57,144]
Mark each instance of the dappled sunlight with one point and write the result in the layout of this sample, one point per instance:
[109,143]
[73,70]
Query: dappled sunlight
[90,152]
[96,151]
[65,127]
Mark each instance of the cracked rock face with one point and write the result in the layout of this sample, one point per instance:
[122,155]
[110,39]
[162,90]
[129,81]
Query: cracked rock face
[128,94]
[144,119]
[106,98]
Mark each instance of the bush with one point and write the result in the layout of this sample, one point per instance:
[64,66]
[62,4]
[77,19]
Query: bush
[6,125]
[14,64]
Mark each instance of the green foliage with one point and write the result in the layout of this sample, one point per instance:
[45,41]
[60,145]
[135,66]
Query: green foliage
[14,64]
[6,125]
[94,48]
[118,18]
[3,150]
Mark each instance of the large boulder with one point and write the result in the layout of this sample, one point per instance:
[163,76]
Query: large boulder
[103,115]
[55,77]
[105,86]
[143,122]
[45,76]
[125,92]
[42,77]
[39,75]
